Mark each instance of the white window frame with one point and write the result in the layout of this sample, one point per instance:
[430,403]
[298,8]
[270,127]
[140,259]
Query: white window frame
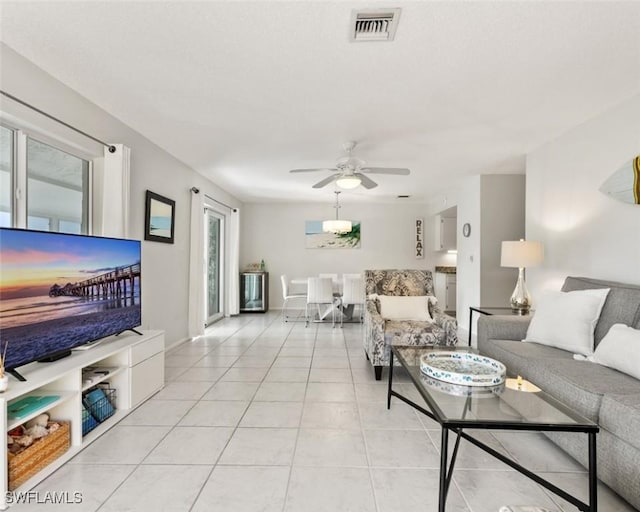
[19,171]
[209,208]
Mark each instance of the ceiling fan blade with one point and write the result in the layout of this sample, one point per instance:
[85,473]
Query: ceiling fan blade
[326,181]
[386,170]
[325,169]
[365,181]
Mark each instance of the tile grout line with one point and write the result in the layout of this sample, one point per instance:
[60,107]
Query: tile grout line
[140,463]
[304,401]
[197,401]
[199,493]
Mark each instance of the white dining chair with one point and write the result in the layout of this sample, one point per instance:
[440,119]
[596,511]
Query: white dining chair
[320,292]
[352,294]
[287,295]
[337,284]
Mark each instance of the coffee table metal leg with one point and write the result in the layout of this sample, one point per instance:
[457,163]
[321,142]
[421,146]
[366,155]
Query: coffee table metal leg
[452,464]
[593,474]
[442,499]
[390,379]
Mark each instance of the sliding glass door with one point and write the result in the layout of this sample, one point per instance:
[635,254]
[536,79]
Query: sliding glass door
[214,258]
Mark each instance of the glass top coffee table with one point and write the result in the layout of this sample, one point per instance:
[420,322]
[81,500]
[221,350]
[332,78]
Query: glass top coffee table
[504,407]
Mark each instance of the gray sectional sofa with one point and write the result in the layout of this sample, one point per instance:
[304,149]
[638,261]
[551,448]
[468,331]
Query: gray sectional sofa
[604,395]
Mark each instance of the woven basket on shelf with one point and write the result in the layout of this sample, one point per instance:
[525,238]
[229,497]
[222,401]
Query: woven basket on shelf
[41,453]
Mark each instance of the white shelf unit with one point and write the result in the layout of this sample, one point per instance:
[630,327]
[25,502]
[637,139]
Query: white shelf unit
[113,373]
[136,372]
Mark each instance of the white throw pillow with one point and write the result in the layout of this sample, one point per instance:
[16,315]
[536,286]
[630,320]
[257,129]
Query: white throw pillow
[620,350]
[405,307]
[567,320]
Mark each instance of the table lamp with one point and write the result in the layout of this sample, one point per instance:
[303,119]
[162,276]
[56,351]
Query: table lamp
[521,254]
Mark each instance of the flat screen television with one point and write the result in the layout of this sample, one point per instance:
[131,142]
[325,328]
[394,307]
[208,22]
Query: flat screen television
[60,291]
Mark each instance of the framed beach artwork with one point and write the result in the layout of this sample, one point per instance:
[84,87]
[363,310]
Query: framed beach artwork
[160,215]
[315,238]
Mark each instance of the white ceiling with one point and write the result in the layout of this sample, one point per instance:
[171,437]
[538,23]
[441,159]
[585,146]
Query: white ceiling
[245,91]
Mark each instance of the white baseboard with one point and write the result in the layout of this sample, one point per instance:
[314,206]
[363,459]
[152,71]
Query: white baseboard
[176,343]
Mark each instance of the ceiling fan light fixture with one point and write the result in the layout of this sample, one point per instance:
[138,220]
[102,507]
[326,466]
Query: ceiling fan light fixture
[348,182]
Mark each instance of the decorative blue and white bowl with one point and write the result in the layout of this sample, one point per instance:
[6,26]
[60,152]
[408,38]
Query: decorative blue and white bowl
[462,390]
[463,368]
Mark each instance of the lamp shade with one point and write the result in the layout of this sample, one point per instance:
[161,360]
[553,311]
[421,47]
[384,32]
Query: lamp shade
[521,254]
[336,226]
[348,182]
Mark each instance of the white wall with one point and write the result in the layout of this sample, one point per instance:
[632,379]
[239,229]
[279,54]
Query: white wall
[275,232]
[503,218]
[469,249]
[493,205]
[443,203]
[585,232]
[165,267]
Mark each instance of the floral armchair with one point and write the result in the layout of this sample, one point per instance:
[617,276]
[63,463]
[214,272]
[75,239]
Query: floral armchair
[380,334]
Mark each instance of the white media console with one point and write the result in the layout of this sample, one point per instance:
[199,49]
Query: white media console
[135,366]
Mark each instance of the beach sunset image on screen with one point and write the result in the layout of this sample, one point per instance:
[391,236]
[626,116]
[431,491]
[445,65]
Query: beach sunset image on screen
[58,291]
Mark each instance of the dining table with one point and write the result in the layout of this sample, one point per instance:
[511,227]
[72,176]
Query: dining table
[346,311]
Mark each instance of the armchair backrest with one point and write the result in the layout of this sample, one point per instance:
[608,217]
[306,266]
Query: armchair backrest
[398,282]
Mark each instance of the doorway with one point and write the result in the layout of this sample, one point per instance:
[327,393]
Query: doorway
[214,265]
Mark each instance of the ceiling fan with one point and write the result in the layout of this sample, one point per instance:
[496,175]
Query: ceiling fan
[350,171]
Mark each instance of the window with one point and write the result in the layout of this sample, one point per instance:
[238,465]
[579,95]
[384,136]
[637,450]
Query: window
[49,190]
[57,189]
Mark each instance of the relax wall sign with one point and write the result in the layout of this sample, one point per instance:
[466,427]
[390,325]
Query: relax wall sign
[419,238]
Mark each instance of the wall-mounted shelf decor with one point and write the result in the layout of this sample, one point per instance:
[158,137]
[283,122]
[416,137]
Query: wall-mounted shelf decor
[624,184]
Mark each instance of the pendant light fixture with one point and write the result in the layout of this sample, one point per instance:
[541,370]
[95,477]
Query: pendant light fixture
[336,225]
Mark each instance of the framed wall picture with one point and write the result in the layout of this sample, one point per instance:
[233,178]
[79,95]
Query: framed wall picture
[316,238]
[159,218]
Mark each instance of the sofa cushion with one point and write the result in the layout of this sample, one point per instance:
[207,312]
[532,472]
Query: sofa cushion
[620,350]
[522,358]
[567,320]
[620,415]
[582,384]
[412,332]
[405,307]
[621,307]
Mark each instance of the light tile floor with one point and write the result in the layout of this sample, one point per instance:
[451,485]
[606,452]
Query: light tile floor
[261,415]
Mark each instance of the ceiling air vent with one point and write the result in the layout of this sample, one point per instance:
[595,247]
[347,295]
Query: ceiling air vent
[374,24]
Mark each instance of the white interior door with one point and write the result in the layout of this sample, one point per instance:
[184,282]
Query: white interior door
[214,265]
